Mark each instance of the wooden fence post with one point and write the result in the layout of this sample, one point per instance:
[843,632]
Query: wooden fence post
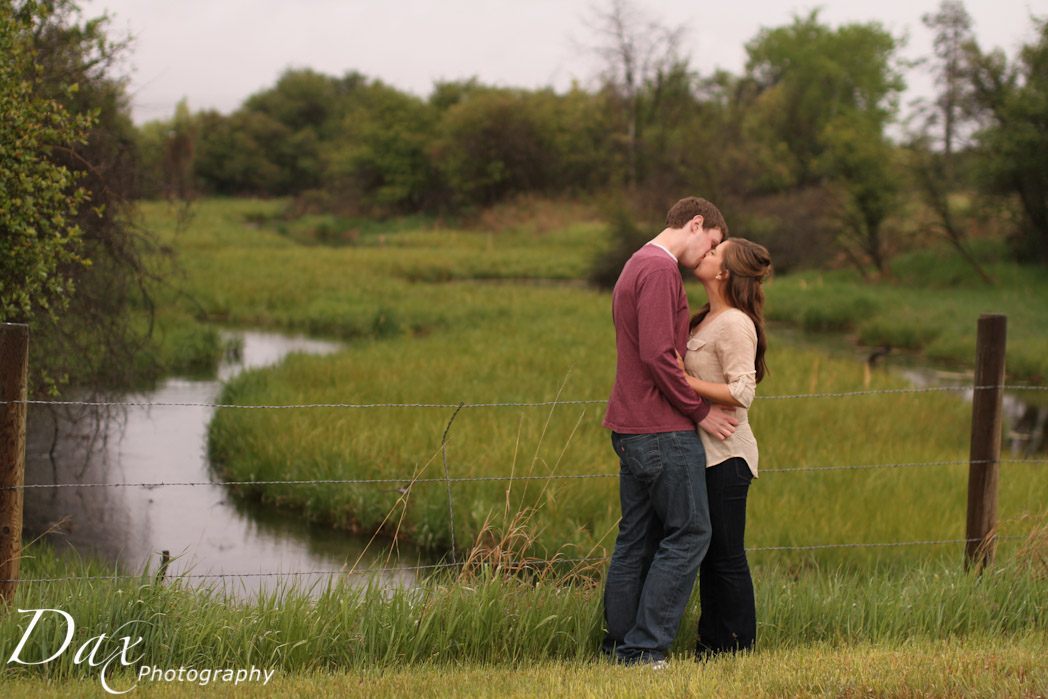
[984,468]
[14,364]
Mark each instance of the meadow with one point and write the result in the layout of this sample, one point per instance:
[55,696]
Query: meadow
[431,315]
[438,316]
[928,307]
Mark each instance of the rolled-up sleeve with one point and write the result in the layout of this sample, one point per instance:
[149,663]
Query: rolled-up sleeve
[736,350]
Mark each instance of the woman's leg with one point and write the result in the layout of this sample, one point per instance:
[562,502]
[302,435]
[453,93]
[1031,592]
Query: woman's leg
[728,621]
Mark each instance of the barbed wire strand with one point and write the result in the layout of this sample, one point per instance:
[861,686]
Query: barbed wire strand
[408,482]
[228,406]
[448,480]
[510,564]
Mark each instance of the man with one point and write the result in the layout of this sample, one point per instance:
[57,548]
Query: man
[652,412]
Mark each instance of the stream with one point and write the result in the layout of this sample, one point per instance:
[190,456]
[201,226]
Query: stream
[237,544]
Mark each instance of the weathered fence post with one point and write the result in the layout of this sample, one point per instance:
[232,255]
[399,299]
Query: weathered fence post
[14,365]
[165,561]
[984,468]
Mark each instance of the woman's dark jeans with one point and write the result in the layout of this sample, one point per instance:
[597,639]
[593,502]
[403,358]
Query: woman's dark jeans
[728,621]
[663,535]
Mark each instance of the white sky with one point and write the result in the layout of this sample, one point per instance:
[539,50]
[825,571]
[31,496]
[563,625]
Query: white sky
[216,53]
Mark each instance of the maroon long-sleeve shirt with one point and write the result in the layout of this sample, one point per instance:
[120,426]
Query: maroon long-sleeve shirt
[650,310]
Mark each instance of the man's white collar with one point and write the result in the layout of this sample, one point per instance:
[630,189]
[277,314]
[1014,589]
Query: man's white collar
[667,251]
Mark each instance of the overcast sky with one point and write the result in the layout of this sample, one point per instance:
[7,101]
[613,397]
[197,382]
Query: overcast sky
[216,53]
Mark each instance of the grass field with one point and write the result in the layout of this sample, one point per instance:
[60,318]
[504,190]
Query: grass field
[449,317]
[443,316]
[940,669]
[915,630]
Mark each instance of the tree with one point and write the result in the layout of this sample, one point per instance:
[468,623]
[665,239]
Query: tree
[232,157]
[40,242]
[636,50]
[494,143]
[378,161]
[862,163]
[90,338]
[933,169]
[824,97]
[1011,104]
[953,31]
[809,74]
[302,112]
[179,154]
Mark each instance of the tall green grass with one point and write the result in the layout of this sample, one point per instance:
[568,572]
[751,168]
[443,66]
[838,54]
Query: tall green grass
[787,508]
[485,615]
[930,304]
[429,324]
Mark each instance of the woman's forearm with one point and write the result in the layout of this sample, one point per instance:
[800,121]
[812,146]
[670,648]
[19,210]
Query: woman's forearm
[712,392]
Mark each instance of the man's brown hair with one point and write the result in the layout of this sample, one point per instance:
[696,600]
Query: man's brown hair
[688,208]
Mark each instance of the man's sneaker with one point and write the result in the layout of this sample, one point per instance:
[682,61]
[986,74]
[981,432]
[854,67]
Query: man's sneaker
[658,665]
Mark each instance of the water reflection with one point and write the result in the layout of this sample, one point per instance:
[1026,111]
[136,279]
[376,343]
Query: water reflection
[207,531]
[1025,417]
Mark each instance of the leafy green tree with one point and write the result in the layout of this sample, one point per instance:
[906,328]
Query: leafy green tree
[866,177]
[231,158]
[1011,102]
[179,155]
[40,241]
[823,99]
[302,113]
[379,159]
[808,74]
[494,143]
[931,157]
[92,336]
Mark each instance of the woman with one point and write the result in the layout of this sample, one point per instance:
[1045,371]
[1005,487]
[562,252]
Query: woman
[724,363]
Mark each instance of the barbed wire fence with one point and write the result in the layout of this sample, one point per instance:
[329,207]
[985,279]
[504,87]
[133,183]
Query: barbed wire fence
[984,465]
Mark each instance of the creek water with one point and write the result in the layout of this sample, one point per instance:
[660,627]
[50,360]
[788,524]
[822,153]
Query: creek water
[239,545]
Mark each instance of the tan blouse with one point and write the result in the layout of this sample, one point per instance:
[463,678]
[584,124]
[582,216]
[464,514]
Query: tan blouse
[722,350]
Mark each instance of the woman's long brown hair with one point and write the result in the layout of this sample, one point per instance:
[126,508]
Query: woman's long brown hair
[749,264]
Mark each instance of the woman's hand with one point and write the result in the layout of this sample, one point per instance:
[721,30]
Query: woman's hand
[680,361]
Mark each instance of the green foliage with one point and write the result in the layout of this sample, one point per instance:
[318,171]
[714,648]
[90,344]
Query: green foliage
[40,241]
[1013,102]
[379,158]
[231,157]
[810,74]
[816,618]
[824,98]
[497,142]
[93,341]
[862,163]
[625,238]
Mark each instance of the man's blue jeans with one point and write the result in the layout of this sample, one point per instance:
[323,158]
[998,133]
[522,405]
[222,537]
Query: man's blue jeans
[663,535]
